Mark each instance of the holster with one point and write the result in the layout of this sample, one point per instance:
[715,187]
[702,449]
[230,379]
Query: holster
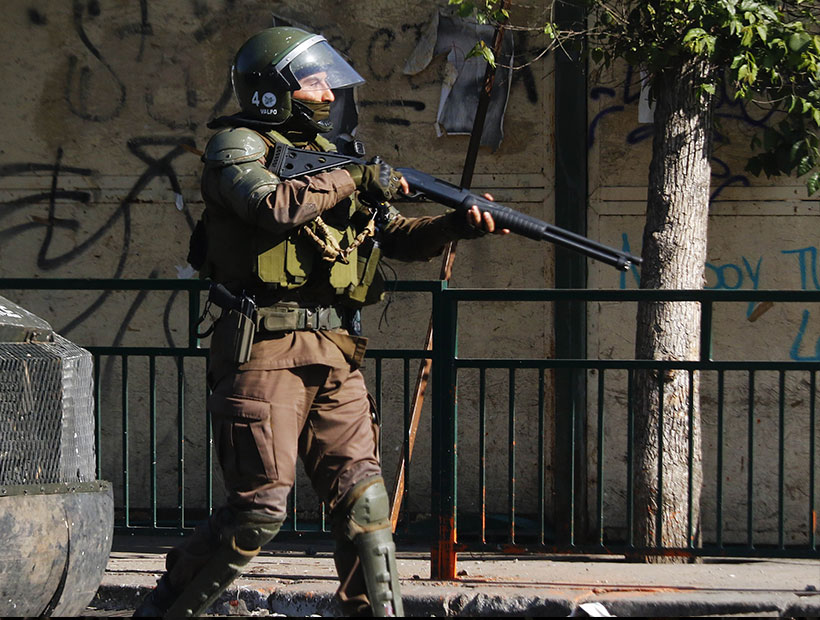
[242,329]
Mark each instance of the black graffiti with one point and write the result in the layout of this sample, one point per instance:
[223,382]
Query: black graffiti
[418,106]
[725,107]
[379,48]
[160,167]
[524,74]
[36,18]
[191,100]
[78,79]
[722,172]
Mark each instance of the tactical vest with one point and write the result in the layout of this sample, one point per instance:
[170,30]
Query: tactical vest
[343,246]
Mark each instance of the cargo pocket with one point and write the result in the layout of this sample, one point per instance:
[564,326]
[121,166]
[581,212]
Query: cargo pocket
[244,440]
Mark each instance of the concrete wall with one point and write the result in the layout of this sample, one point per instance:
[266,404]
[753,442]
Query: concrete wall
[763,234]
[101,99]
[102,96]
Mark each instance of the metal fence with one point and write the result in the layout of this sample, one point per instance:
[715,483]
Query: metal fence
[773,509]
[567,490]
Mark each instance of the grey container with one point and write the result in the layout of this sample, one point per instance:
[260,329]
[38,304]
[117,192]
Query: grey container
[56,519]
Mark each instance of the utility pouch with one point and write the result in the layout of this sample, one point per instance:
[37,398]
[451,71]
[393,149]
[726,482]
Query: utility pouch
[242,329]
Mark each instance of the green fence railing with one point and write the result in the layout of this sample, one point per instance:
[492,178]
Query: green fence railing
[491,471]
[778,504]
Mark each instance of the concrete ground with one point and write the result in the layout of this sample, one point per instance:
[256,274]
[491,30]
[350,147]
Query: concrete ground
[300,580]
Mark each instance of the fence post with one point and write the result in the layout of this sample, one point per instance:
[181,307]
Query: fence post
[569,466]
[444,425]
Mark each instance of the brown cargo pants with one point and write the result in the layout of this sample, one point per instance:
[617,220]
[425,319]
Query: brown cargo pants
[264,419]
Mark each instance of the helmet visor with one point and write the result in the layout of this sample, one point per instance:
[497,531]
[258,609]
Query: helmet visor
[318,66]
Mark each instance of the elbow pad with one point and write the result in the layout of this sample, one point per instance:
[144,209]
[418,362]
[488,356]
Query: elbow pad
[235,175]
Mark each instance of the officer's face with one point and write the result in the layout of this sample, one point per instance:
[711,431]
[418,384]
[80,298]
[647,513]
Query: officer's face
[315,88]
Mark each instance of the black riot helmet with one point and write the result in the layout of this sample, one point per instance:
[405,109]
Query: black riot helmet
[269,66]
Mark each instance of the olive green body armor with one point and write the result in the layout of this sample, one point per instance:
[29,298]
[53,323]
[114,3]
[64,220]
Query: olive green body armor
[340,244]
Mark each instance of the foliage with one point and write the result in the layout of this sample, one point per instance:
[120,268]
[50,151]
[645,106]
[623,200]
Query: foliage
[768,52]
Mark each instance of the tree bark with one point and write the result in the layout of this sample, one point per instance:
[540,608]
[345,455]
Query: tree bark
[674,256]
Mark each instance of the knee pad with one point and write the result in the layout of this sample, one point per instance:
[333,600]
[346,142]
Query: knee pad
[365,508]
[365,521]
[239,537]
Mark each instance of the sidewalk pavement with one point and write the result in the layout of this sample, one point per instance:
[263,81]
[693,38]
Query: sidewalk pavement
[299,580]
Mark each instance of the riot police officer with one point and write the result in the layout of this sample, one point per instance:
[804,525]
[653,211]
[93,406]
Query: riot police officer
[307,251]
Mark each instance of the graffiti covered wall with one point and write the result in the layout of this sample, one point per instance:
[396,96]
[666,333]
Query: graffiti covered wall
[763,234]
[105,103]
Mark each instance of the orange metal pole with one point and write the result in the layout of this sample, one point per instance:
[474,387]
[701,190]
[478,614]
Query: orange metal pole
[443,553]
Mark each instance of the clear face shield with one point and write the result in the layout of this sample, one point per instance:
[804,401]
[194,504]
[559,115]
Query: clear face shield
[317,66]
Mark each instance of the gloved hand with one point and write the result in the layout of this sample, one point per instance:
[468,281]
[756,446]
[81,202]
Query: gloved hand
[377,181]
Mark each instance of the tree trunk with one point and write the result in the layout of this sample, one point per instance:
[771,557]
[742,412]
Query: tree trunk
[674,255]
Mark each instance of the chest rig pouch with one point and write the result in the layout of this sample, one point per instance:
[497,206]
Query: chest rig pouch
[341,242]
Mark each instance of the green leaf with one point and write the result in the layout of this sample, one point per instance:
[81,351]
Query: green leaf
[805,166]
[694,33]
[813,183]
[770,139]
[799,41]
[754,166]
[482,51]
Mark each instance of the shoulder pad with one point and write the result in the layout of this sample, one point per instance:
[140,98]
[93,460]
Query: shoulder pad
[236,145]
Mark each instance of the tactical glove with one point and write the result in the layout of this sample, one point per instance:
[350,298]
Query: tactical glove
[378,182]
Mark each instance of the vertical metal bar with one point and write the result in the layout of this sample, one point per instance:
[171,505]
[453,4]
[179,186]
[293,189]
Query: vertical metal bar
[482,451]
[97,416]
[572,438]
[406,438]
[193,317]
[812,460]
[542,462]
[750,477]
[209,455]
[378,398]
[293,496]
[152,422]
[706,331]
[445,315]
[378,388]
[719,481]
[181,440]
[511,454]
[125,468]
[690,517]
[600,500]
[570,330]
[630,465]
[661,447]
[781,462]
